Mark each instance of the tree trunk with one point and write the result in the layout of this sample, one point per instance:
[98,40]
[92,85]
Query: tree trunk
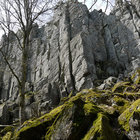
[22,116]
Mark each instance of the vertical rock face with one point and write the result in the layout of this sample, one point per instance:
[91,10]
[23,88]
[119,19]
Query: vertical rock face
[74,49]
[129,15]
[4,114]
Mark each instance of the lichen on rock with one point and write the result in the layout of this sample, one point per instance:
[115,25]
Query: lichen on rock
[100,129]
[7,136]
[120,86]
[124,118]
[136,77]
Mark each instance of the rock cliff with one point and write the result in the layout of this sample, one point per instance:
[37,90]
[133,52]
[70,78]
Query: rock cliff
[77,49]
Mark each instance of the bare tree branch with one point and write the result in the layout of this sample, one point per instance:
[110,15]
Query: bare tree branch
[23,14]
[10,67]
[93,4]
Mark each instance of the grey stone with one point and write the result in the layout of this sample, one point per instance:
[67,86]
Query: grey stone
[108,83]
[29,99]
[32,110]
[4,114]
[45,106]
[134,123]
[15,114]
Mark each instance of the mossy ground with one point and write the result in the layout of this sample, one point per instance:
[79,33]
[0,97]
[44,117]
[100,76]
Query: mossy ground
[90,114]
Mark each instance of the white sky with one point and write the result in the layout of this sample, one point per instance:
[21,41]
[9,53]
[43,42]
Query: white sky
[100,4]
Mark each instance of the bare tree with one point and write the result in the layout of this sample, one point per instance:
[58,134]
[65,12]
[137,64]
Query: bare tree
[21,14]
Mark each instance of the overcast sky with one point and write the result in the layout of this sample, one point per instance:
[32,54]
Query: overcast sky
[100,4]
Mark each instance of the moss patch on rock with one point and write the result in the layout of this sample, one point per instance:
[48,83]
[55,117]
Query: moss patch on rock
[124,118]
[7,129]
[120,103]
[7,136]
[74,121]
[120,86]
[36,128]
[100,129]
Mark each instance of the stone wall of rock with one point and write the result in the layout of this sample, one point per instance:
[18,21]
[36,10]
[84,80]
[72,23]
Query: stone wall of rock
[72,51]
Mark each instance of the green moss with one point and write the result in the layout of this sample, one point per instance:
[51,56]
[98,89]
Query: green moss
[120,86]
[46,122]
[57,121]
[52,127]
[30,94]
[62,115]
[100,129]
[64,99]
[127,114]
[79,95]
[7,136]
[136,77]
[91,95]
[121,104]
[37,125]
[77,115]
[89,108]
[108,109]
[137,94]
[7,129]
[132,95]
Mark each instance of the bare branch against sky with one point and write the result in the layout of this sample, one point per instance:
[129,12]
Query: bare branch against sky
[105,5]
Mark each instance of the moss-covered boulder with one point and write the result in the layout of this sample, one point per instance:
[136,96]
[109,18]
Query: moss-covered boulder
[74,119]
[35,129]
[130,120]
[100,129]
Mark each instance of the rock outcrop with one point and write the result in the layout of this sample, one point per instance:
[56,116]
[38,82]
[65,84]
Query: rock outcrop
[89,115]
[77,49]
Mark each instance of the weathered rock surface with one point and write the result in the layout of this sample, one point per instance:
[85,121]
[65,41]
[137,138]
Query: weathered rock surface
[71,52]
[89,115]
[4,114]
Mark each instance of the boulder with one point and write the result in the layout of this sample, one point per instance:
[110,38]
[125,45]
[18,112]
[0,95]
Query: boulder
[108,83]
[130,120]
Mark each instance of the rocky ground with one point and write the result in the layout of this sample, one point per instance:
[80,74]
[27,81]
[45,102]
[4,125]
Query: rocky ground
[110,113]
